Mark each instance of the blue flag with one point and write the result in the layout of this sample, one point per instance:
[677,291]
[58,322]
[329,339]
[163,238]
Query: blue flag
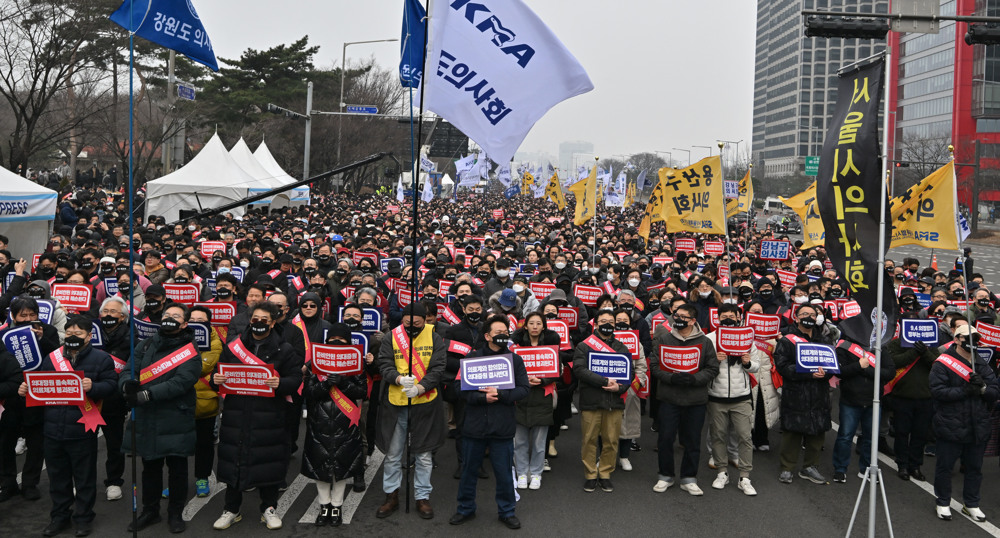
[512,192]
[173,24]
[411,48]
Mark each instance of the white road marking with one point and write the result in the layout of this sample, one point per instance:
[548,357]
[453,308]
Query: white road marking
[288,498]
[197,503]
[353,499]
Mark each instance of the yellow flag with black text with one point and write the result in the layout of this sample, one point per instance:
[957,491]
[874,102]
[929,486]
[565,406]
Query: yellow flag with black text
[744,201]
[925,214]
[805,206]
[554,192]
[694,197]
[586,198]
[654,211]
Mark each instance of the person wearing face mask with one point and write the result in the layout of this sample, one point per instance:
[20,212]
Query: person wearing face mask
[501,280]
[254,449]
[529,303]
[765,394]
[40,290]
[600,404]
[704,297]
[71,449]
[534,413]
[632,415]
[412,361]
[490,424]
[505,302]
[683,396]
[633,282]
[805,400]
[467,332]
[156,300]
[114,329]
[768,296]
[158,383]
[964,390]
[982,306]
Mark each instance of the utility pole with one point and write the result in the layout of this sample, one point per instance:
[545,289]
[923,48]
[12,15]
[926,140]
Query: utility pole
[167,149]
[974,201]
[309,106]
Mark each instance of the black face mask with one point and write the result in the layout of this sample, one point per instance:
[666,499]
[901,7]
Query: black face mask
[36,293]
[86,265]
[808,323]
[340,272]
[898,277]
[680,324]
[551,315]
[745,296]
[181,280]
[430,296]
[310,271]
[353,324]
[109,322]
[474,317]
[107,269]
[606,329]
[46,272]
[74,343]
[959,293]
[766,294]
[152,305]
[665,308]
[170,326]
[628,310]
[413,331]
[501,340]
[728,322]
[482,276]
[223,293]
[983,302]
[836,292]
[125,289]
[622,326]
[323,259]
[259,328]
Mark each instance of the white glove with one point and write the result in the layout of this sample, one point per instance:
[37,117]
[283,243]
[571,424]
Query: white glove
[406,381]
[413,391]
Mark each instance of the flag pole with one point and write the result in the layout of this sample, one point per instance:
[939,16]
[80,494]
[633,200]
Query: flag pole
[593,219]
[130,193]
[725,221]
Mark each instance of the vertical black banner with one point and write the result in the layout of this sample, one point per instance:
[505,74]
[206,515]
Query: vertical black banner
[850,194]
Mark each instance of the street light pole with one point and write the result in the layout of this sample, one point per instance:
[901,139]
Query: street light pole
[685,151]
[309,105]
[343,75]
[738,142]
[670,157]
[709,148]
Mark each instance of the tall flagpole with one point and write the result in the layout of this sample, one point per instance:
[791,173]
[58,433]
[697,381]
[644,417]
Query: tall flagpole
[593,219]
[725,220]
[130,193]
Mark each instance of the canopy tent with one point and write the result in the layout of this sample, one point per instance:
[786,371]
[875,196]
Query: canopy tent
[447,185]
[27,212]
[297,196]
[210,180]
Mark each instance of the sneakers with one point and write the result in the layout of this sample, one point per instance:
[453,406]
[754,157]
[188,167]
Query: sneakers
[564,427]
[625,464]
[785,477]
[201,488]
[944,512]
[606,485]
[812,474]
[840,477]
[711,463]
[974,512]
[545,466]
[693,489]
[21,446]
[522,481]
[226,520]
[721,480]
[113,493]
[662,485]
[271,519]
[590,485]
[763,448]
[573,408]
[746,487]
[536,482]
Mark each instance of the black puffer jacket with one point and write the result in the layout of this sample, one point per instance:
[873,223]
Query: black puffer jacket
[805,400]
[253,446]
[333,449]
[959,417]
[61,421]
[536,409]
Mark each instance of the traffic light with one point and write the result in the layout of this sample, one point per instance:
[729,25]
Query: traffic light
[901,164]
[983,34]
[847,27]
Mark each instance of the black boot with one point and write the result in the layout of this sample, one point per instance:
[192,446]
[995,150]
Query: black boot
[323,519]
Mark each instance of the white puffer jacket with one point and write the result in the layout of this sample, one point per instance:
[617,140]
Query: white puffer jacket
[772,396]
[733,380]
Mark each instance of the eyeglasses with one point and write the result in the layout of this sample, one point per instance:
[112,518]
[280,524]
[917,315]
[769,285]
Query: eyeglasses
[310,306]
[256,319]
[108,311]
[683,318]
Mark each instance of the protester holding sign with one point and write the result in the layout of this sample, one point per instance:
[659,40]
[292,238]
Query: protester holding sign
[253,447]
[805,400]
[534,413]
[207,407]
[625,320]
[911,404]
[71,430]
[686,364]
[964,389]
[332,453]
[158,383]
[40,291]
[766,399]
[115,335]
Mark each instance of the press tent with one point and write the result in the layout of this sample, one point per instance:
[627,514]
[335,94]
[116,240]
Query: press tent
[297,196]
[27,212]
[210,180]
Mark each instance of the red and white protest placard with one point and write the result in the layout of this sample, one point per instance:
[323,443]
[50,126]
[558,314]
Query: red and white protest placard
[393,283]
[734,340]
[404,296]
[680,359]
[631,341]
[209,247]
[962,305]
[715,248]
[356,257]
[723,271]
[657,322]
[246,379]
[588,294]
[498,214]
[392,209]
[444,286]
[541,289]
[54,388]
[570,315]
[989,335]
[764,325]
[186,294]
[562,329]
[222,313]
[540,361]
[831,306]
[686,244]
[663,260]
[337,359]
[713,318]
[787,278]
[850,309]
[35,258]
[74,297]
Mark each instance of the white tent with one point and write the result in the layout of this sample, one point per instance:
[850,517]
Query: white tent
[447,184]
[266,180]
[212,179]
[27,210]
[297,196]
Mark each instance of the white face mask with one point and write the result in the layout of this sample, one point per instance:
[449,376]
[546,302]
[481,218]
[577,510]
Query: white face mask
[801,299]
[560,265]
[191,227]
[517,288]
[633,282]
[819,319]
[704,294]
[244,263]
[502,273]
[729,301]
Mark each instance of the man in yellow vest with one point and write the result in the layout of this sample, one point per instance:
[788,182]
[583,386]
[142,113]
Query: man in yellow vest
[410,402]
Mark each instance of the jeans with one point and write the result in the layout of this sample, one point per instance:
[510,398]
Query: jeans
[268,498]
[529,449]
[152,483]
[501,456]
[971,455]
[912,419]
[683,422]
[850,418]
[392,471]
[72,464]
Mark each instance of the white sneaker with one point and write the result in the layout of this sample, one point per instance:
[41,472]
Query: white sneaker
[721,480]
[662,485]
[113,493]
[536,482]
[693,489]
[711,463]
[305,413]
[975,513]
[625,464]
[21,447]
[944,512]
[522,481]
[564,427]
[226,520]
[573,408]
[270,517]
[745,486]
[546,467]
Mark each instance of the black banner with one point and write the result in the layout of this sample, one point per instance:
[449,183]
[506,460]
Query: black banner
[848,189]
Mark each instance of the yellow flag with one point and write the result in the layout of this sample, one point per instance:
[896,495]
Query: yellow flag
[526,180]
[744,202]
[694,197]
[629,195]
[654,211]
[926,214]
[555,193]
[805,206]
[586,198]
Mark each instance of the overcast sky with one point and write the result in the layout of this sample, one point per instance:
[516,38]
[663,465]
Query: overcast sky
[666,74]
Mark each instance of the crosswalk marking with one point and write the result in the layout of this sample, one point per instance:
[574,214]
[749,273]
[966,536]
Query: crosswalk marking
[353,500]
[194,505]
[288,498]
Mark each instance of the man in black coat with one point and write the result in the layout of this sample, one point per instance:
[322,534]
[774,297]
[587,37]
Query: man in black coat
[490,424]
[115,335]
[469,332]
